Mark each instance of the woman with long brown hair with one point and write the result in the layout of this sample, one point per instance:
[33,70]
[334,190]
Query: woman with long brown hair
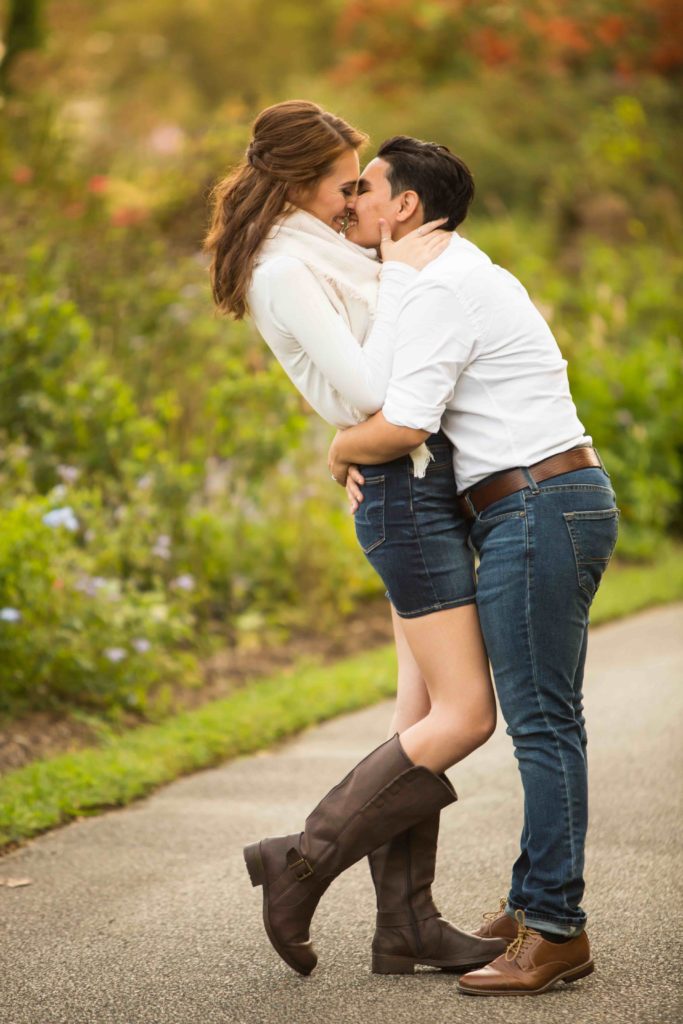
[327,308]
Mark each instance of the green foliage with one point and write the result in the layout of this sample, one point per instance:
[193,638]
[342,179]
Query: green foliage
[626,360]
[189,480]
[23,31]
[60,400]
[69,636]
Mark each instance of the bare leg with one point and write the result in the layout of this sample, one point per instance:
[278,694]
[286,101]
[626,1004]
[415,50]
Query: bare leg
[412,698]
[403,869]
[449,652]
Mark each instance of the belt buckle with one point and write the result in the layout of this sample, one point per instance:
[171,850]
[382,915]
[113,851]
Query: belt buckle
[306,872]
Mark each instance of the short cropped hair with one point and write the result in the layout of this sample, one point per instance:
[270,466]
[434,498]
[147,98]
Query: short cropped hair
[441,179]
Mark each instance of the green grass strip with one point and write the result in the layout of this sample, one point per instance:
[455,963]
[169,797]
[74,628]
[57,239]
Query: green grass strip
[631,588]
[48,793]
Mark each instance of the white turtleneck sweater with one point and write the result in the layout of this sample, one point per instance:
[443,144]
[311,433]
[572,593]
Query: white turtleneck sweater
[345,380]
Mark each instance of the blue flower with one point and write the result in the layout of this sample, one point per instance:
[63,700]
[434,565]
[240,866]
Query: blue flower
[62,517]
[10,614]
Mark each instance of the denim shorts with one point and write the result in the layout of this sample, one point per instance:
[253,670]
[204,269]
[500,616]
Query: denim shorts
[413,535]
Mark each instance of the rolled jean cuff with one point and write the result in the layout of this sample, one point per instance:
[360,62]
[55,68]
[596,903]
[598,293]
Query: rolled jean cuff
[547,924]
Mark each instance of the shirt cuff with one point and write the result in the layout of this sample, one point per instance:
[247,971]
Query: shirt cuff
[412,419]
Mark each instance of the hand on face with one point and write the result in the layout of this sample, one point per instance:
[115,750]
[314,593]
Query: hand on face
[419,247]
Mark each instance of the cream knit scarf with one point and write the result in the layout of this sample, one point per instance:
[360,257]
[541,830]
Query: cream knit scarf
[347,273]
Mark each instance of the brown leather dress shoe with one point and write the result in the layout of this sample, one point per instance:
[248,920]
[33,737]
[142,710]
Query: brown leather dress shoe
[498,924]
[530,965]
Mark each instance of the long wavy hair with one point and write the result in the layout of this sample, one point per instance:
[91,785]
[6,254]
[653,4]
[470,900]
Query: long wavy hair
[294,144]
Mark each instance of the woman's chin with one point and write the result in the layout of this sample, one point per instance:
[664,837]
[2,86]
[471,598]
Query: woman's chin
[353,234]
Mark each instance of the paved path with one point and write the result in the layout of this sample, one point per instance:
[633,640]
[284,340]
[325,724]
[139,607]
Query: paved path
[145,915]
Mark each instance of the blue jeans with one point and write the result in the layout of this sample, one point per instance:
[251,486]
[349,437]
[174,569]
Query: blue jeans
[542,554]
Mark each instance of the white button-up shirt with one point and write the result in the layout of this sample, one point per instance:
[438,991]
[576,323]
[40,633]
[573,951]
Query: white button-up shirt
[475,357]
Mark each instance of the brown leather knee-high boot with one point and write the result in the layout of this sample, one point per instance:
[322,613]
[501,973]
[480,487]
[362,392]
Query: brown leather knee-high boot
[383,795]
[410,929]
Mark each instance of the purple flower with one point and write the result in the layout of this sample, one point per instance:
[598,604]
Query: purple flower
[141,645]
[10,615]
[90,585]
[162,546]
[68,474]
[183,582]
[115,653]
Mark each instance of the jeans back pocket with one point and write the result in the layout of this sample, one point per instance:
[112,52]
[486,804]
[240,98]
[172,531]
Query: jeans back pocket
[369,517]
[593,535]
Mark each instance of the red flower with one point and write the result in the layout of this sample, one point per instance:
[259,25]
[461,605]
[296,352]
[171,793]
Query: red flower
[125,216]
[493,48]
[611,29]
[22,174]
[98,184]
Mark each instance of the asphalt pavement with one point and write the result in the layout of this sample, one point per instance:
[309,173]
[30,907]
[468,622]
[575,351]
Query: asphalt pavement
[145,915]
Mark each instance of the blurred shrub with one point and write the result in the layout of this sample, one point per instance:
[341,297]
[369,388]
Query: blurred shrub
[68,635]
[59,398]
[208,519]
[620,328]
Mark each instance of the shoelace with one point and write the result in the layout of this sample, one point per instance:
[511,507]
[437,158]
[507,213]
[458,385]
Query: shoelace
[491,915]
[524,934]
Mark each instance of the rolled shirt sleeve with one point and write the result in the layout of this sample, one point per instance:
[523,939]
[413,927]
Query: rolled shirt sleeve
[434,341]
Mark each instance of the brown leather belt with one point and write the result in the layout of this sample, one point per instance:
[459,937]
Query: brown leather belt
[484,494]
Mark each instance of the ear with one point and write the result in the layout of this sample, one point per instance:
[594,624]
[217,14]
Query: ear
[409,204]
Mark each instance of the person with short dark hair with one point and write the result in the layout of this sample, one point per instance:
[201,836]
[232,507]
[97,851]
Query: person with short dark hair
[475,359]
[442,180]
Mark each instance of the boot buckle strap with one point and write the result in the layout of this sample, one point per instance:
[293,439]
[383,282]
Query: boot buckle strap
[302,868]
